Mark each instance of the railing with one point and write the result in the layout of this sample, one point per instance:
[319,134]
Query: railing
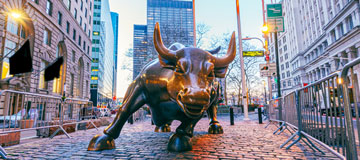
[22,111]
[326,112]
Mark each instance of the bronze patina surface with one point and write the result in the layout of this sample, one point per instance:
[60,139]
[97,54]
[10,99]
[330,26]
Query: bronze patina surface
[180,85]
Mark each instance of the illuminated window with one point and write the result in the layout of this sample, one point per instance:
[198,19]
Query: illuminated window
[94,78]
[96,33]
[42,83]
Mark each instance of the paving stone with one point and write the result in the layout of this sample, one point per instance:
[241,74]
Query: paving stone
[244,140]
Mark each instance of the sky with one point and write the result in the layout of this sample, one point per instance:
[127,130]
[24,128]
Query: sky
[220,15]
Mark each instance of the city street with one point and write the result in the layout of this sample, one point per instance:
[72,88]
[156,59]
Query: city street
[244,140]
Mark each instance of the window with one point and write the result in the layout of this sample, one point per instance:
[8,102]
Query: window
[89,20]
[284,84]
[79,41]
[288,73]
[81,5]
[287,65]
[282,67]
[283,75]
[49,7]
[36,1]
[90,5]
[75,13]
[84,45]
[67,27]
[88,50]
[42,83]
[85,12]
[59,18]
[85,27]
[285,48]
[289,83]
[80,21]
[47,37]
[73,56]
[284,39]
[286,56]
[96,33]
[74,35]
[71,84]
[341,29]
[333,35]
[97,6]
[12,26]
[67,4]
[96,22]
[350,23]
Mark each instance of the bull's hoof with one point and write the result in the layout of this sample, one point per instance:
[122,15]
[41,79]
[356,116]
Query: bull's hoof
[164,128]
[101,142]
[215,128]
[179,143]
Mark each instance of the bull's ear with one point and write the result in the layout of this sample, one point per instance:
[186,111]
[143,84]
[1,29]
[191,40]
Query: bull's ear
[220,72]
[166,63]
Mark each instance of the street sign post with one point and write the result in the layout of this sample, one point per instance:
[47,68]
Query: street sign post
[274,10]
[253,53]
[276,24]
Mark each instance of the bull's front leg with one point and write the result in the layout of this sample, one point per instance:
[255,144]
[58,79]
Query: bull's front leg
[134,99]
[215,127]
[180,140]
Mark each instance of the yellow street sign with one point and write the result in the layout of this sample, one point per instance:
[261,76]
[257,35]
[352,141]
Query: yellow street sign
[253,53]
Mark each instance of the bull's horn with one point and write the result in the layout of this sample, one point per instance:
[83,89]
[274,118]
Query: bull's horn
[230,55]
[215,51]
[159,45]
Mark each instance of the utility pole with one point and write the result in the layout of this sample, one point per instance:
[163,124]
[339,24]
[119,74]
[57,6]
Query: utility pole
[277,65]
[243,80]
[267,50]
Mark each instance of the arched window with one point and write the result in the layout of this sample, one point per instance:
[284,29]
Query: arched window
[58,83]
[80,79]
[13,29]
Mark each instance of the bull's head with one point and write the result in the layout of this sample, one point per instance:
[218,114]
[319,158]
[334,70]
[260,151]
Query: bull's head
[194,72]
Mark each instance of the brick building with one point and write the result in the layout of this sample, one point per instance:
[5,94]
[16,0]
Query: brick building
[55,28]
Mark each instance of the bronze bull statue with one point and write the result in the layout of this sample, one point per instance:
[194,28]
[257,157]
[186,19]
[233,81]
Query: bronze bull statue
[180,85]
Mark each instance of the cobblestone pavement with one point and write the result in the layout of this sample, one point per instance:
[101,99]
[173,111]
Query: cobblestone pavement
[244,140]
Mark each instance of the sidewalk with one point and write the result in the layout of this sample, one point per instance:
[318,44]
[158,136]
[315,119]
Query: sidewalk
[244,140]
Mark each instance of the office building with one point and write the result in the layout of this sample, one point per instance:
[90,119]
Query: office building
[103,55]
[115,23]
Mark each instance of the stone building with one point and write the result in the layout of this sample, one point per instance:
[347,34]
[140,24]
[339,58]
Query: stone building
[320,37]
[55,28]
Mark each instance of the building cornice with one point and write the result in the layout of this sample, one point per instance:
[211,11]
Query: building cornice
[347,36]
[341,13]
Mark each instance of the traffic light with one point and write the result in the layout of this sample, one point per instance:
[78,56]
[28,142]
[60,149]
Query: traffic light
[275,80]
[267,57]
[265,68]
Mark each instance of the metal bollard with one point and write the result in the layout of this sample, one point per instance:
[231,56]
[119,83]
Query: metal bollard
[260,115]
[231,116]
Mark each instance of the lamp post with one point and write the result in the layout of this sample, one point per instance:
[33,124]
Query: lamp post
[246,114]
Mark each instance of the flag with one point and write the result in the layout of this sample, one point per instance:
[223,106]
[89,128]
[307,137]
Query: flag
[21,61]
[52,71]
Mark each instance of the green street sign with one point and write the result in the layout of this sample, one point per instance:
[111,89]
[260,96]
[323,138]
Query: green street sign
[253,53]
[276,24]
[274,10]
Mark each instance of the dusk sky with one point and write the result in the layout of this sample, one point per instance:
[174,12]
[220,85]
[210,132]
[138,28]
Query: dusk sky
[220,15]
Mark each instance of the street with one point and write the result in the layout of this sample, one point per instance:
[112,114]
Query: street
[244,140]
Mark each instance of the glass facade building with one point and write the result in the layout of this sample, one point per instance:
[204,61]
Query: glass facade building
[103,55]
[115,25]
[176,24]
[140,48]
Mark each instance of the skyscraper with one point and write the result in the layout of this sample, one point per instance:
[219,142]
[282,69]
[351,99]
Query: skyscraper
[103,54]
[140,48]
[176,22]
[115,25]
